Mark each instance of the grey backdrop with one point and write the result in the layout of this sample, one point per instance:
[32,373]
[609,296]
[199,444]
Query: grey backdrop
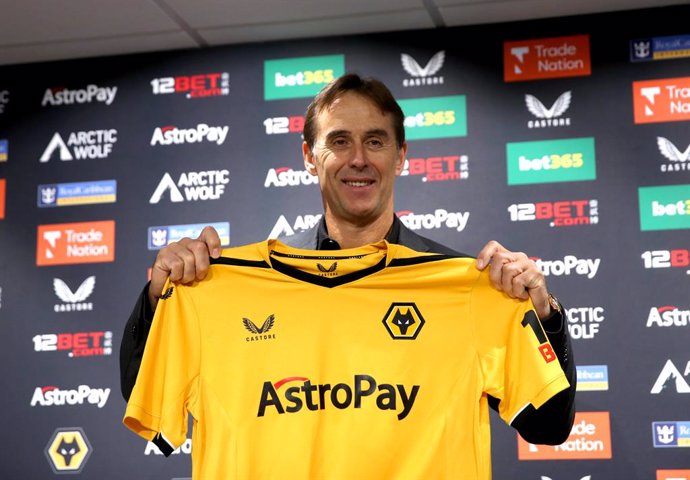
[624,290]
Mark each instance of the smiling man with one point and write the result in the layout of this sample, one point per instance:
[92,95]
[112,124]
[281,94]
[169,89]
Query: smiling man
[512,355]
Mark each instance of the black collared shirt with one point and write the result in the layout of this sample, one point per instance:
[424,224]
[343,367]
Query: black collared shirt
[324,242]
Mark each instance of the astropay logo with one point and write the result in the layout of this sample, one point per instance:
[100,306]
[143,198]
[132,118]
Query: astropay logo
[679,160]
[548,117]
[566,213]
[668,316]
[663,100]
[69,243]
[193,86]
[287,177]
[170,135]
[81,145]
[546,58]
[590,438]
[196,186]
[185,448]
[51,396]
[57,96]
[670,378]
[436,169]
[569,265]
[314,397]
[441,218]
[285,228]
[423,75]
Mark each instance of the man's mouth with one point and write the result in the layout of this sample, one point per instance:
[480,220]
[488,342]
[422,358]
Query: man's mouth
[358,183]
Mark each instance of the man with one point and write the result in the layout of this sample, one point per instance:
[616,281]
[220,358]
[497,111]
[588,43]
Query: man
[354,141]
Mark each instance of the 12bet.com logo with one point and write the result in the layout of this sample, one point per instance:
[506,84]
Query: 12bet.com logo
[566,213]
[193,86]
[78,344]
[676,258]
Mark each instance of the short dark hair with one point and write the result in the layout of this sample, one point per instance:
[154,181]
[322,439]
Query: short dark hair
[370,88]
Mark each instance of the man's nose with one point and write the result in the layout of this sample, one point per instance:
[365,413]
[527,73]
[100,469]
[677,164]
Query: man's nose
[358,159]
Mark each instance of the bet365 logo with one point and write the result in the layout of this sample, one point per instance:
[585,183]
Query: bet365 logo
[435,117]
[664,208]
[300,77]
[563,160]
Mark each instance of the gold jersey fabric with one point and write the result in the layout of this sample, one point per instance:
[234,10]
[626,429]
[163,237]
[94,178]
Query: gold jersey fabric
[367,363]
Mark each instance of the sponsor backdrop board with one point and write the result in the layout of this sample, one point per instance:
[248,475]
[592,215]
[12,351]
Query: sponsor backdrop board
[556,137]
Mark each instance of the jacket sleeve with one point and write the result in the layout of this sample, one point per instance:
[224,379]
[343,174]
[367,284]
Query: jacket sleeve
[552,422]
[133,342]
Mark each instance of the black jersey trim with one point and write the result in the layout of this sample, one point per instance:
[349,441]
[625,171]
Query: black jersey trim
[402,262]
[165,448]
[328,282]
[239,262]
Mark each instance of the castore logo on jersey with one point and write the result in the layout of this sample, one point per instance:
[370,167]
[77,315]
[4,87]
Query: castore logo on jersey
[260,333]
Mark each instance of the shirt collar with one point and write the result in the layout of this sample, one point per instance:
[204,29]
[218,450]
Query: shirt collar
[324,242]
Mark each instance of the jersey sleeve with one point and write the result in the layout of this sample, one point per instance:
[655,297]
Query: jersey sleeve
[519,365]
[166,387]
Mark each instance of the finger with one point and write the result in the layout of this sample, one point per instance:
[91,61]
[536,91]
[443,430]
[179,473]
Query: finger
[201,264]
[487,252]
[499,260]
[210,237]
[512,278]
[182,261]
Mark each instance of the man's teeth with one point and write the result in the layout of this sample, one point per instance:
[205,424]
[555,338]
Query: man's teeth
[357,184]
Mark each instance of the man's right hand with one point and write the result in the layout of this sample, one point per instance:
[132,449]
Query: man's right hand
[184,262]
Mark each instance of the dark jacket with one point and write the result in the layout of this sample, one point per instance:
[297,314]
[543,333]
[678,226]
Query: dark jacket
[550,424]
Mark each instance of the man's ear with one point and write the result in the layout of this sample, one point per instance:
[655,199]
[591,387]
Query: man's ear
[309,160]
[400,161]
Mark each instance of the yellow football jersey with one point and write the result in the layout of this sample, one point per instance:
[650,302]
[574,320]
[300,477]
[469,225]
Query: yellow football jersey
[366,363]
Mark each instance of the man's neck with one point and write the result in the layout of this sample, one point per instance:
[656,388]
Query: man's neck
[351,235]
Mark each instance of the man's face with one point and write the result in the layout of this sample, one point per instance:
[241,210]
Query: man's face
[356,158]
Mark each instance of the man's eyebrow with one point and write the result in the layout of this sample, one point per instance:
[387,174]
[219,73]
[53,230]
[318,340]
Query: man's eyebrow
[337,133]
[377,132]
[374,132]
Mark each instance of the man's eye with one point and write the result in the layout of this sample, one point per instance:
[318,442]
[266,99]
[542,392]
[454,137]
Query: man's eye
[375,143]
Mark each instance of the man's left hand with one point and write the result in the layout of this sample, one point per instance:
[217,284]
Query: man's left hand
[516,275]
